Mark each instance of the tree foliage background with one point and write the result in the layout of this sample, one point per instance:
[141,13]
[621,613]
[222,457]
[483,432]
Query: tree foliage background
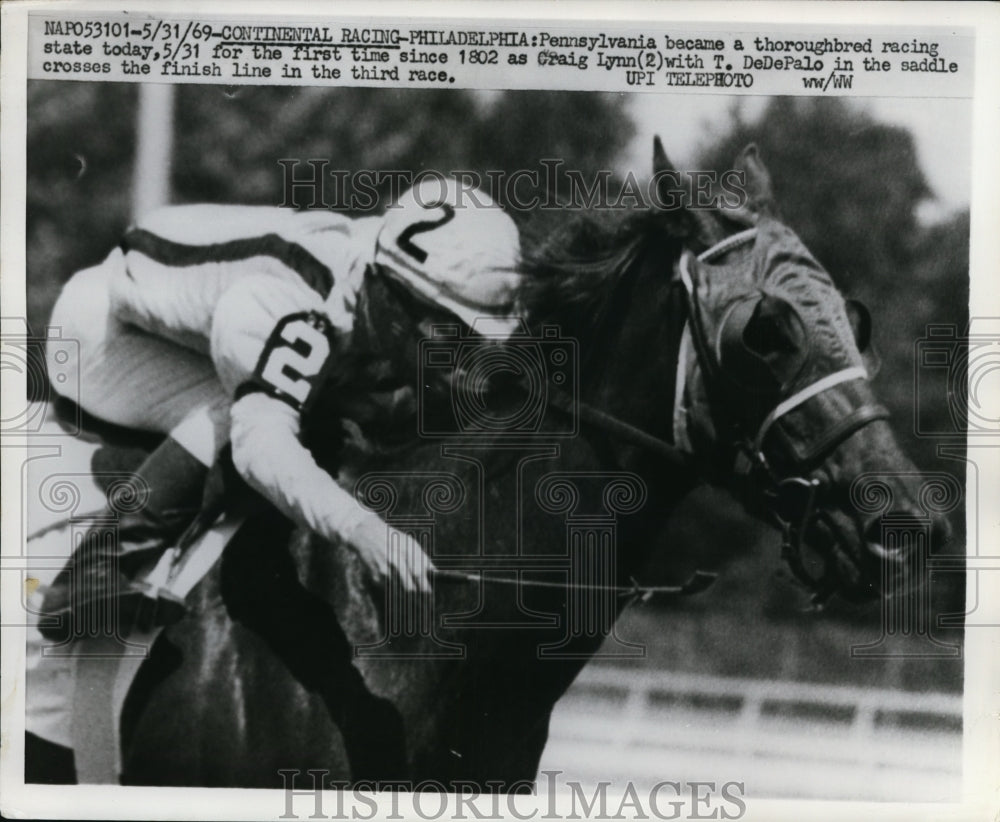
[851,188]
[848,184]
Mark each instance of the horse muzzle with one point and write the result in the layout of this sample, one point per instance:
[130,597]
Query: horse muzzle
[897,548]
[831,550]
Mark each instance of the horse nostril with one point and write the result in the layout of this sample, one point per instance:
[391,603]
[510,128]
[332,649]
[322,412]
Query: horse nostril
[895,533]
[879,542]
[874,532]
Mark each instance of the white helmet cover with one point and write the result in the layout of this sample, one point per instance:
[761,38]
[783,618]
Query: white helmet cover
[456,247]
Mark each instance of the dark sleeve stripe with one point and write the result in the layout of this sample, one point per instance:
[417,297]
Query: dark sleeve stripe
[167,252]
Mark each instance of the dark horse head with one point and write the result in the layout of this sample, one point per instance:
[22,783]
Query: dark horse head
[708,345]
[721,333]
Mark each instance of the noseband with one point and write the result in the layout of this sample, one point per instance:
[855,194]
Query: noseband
[791,500]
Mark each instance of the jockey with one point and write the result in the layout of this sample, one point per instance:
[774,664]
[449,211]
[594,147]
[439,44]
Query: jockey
[213,324]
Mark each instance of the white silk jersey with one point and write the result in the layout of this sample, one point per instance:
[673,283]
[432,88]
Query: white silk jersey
[265,293]
[180,260]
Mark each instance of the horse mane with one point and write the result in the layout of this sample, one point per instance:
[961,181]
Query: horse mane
[573,263]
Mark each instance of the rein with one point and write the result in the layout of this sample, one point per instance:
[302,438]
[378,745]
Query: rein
[695,584]
[790,500]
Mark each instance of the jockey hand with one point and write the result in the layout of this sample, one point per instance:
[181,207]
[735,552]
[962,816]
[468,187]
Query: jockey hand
[371,538]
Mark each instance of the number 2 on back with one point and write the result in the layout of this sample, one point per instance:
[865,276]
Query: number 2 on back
[298,351]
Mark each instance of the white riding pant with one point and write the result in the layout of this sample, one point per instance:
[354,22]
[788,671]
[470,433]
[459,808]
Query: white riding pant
[126,376]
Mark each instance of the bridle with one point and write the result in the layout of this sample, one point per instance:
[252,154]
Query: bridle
[791,500]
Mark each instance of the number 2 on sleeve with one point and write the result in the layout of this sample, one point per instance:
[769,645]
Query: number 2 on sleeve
[294,356]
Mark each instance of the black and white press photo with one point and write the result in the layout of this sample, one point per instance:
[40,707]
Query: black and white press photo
[529,416]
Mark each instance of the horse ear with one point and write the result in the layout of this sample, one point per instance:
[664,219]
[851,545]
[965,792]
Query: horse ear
[760,195]
[861,323]
[660,161]
[673,191]
[670,188]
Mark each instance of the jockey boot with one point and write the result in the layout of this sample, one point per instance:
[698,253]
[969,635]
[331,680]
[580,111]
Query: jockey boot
[96,593]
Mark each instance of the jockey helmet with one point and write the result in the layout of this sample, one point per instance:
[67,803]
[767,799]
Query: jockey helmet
[455,247]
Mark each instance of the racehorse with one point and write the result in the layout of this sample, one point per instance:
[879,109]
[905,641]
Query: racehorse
[677,346]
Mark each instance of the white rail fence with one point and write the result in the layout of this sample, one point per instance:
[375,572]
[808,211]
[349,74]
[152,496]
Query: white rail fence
[781,739]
